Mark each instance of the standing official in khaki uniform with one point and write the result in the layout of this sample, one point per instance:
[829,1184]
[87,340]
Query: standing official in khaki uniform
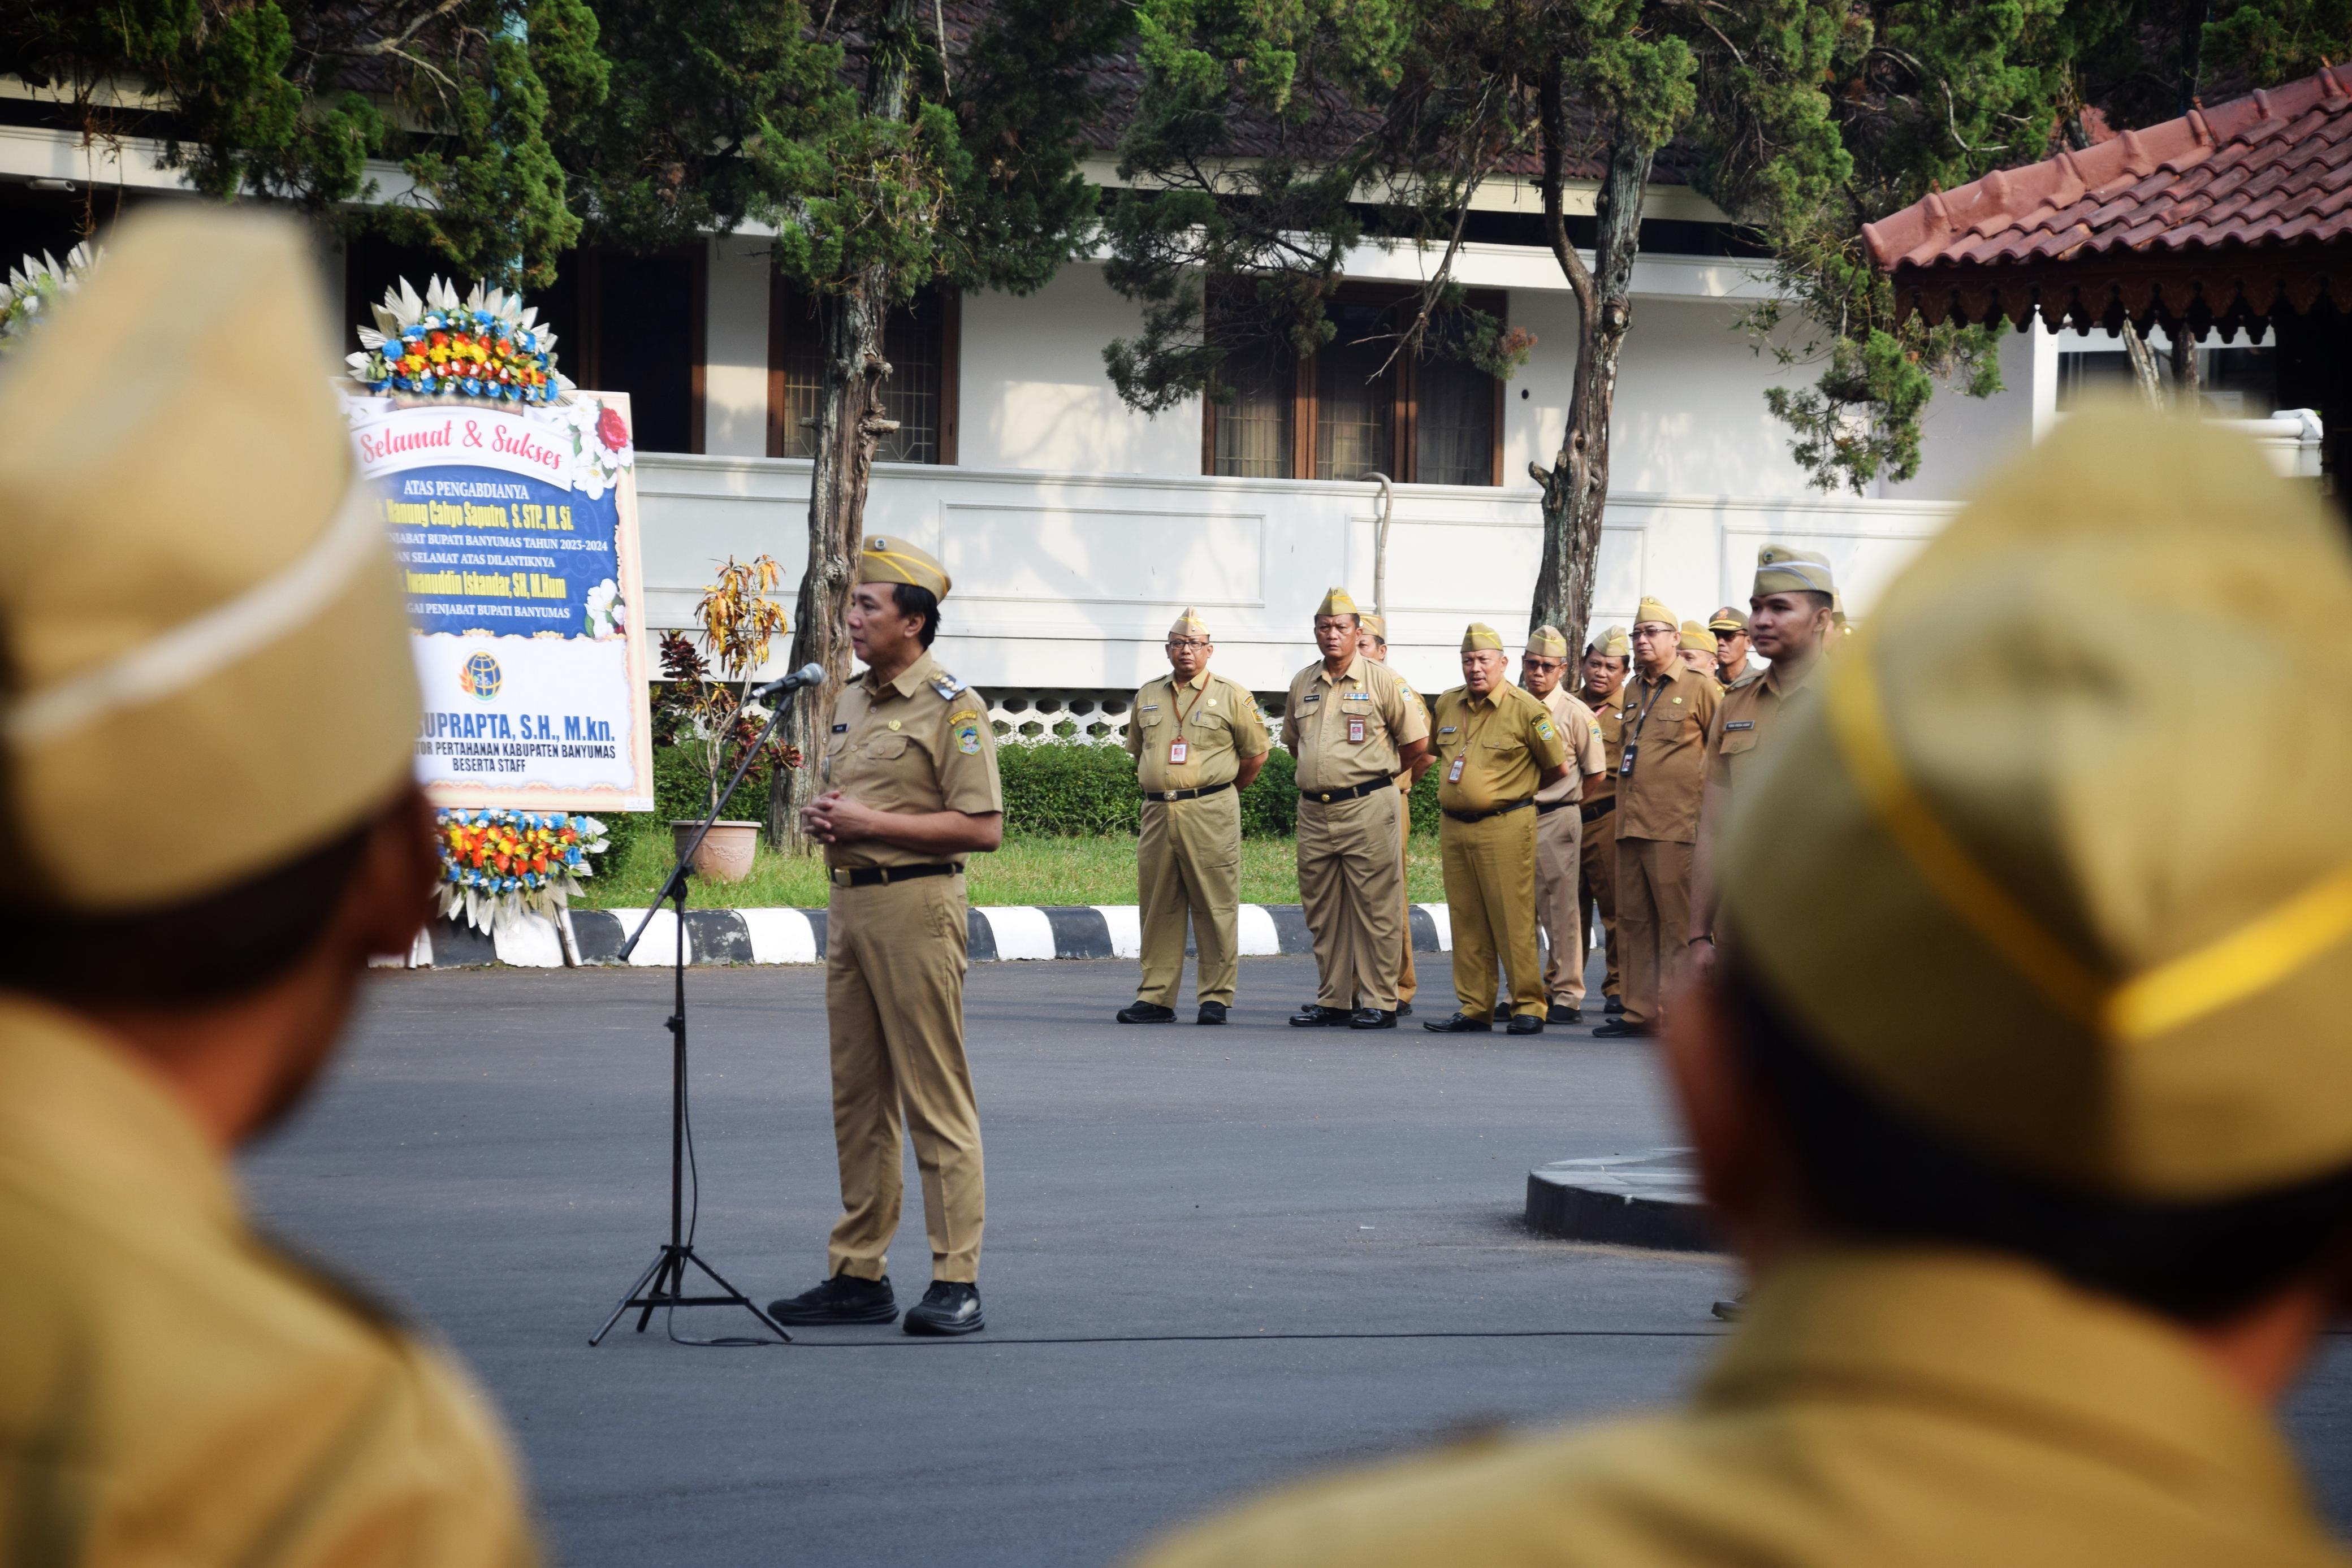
[1731,645]
[1699,649]
[1664,713]
[1606,662]
[1372,641]
[198,579]
[2035,1134]
[1495,746]
[1198,742]
[1543,673]
[1353,727]
[910,790]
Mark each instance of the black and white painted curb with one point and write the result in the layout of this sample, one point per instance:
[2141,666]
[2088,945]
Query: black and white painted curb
[993,934]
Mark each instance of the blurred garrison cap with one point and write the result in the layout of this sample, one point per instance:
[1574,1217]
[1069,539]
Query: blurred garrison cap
[1336,602]
[1613,643]
[1650,611]
[1546,643]
[1377,625]
[1188,624]
[198,593]
[1696,638]
[1479,637]
[2024,921]
[1783,568]
[892,559]
[1727,619]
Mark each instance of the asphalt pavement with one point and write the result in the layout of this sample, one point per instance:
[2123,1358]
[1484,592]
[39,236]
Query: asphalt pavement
[1215,1258]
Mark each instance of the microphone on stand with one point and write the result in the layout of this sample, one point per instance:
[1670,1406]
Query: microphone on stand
[806,675]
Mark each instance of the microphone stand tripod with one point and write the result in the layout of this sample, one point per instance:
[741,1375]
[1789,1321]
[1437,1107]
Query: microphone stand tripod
[663,1284]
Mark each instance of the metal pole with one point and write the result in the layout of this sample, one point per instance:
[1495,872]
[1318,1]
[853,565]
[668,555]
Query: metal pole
[1380,547]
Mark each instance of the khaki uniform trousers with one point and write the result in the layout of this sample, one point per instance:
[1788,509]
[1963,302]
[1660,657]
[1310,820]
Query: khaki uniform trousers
[1351,886]
[1596,892]
[1408,978]
[894,967]
[1490,898]
[1188,864]
[1559,842]
[1654,878]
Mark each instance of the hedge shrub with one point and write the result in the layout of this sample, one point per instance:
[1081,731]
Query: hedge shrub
[1051,787]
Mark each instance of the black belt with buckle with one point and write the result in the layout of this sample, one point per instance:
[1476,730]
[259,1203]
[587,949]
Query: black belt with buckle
[1353,792]
[1186,794]
[1545,808]
[868,875]
[1482,816]
[1599,808]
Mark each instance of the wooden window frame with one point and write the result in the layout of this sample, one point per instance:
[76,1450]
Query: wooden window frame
[1404,404]
[781,300]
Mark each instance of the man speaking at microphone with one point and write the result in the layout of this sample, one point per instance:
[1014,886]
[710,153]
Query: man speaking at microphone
[910,788]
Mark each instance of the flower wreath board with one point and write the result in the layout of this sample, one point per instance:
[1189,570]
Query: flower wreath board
[510,498]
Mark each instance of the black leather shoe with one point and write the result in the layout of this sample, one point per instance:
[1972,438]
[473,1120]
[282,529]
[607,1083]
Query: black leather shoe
[1146,1012]
[1372,1018]
[1560,1014]
[1315,1016]
[1613,1006]
[1212,1012]
[948,1306]
[844,1299]
[1404,1009]
[1460,1024]
[1622,1029]
[1729,1310]
[1525,1023]
[1503,1013]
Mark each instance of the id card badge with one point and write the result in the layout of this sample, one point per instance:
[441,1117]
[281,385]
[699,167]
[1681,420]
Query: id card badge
[1355,730]
[1453,774]
[1625,767]
[1177,752]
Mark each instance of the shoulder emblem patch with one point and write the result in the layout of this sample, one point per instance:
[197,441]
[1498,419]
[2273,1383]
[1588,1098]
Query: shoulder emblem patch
[1543,728]
[946,686]
[963,714]
[968,739]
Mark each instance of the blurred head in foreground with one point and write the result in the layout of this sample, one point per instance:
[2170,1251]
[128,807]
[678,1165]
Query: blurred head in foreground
[2023,1085]
[207,824]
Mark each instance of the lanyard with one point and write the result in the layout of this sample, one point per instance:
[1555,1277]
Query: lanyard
[1182,712]
[1643,717]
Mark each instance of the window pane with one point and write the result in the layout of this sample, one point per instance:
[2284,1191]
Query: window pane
[910,341]
[1454,435]
[1352,410]
[1252,432]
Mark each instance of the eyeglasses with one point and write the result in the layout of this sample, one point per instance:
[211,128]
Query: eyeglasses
[1546,666]
[1174,642]
[1654,630]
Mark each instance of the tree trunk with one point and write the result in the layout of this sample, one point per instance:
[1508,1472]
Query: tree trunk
[2145,378]
[2187,392]
[1576,488]
[848,415]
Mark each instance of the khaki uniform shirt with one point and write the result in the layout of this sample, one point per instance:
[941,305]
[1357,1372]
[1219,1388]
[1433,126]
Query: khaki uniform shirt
[1874,1410]
[173,1391]
[1347,732]
[1612,743]
[920,743]
[1659,798]
[1747,668]
[1404,775]
[1581,730]
[1217,719]
[1493,749]
[1744,724]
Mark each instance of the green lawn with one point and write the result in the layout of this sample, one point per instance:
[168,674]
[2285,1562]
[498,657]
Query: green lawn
[1026,871]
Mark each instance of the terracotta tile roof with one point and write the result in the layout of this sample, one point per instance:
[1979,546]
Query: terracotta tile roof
[2188,203]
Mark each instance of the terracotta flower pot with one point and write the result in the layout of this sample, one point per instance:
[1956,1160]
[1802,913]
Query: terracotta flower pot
[725,852]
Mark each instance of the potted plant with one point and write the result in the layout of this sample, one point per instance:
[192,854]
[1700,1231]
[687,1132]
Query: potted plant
[706,709]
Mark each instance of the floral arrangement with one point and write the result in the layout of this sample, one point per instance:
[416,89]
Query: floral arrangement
[485,346]
[601,443]
[709,712]
[499,865]
[33,287]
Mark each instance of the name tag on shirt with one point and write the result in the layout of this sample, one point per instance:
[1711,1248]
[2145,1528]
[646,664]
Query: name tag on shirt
[1177,752]
[1741,723]
[1453,774]
[1355,729]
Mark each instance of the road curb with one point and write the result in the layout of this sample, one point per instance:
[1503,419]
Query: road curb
[993,934]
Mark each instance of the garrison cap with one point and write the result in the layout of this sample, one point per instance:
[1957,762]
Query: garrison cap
[1613,644]
[1377,625]
[1696,638]
[1479,637]
[890,559]
[1188,624]
[2025,924]
[1782,569]
[1336,602]
[196,582]
[1727,619]
[1546,643]
[1651,610]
